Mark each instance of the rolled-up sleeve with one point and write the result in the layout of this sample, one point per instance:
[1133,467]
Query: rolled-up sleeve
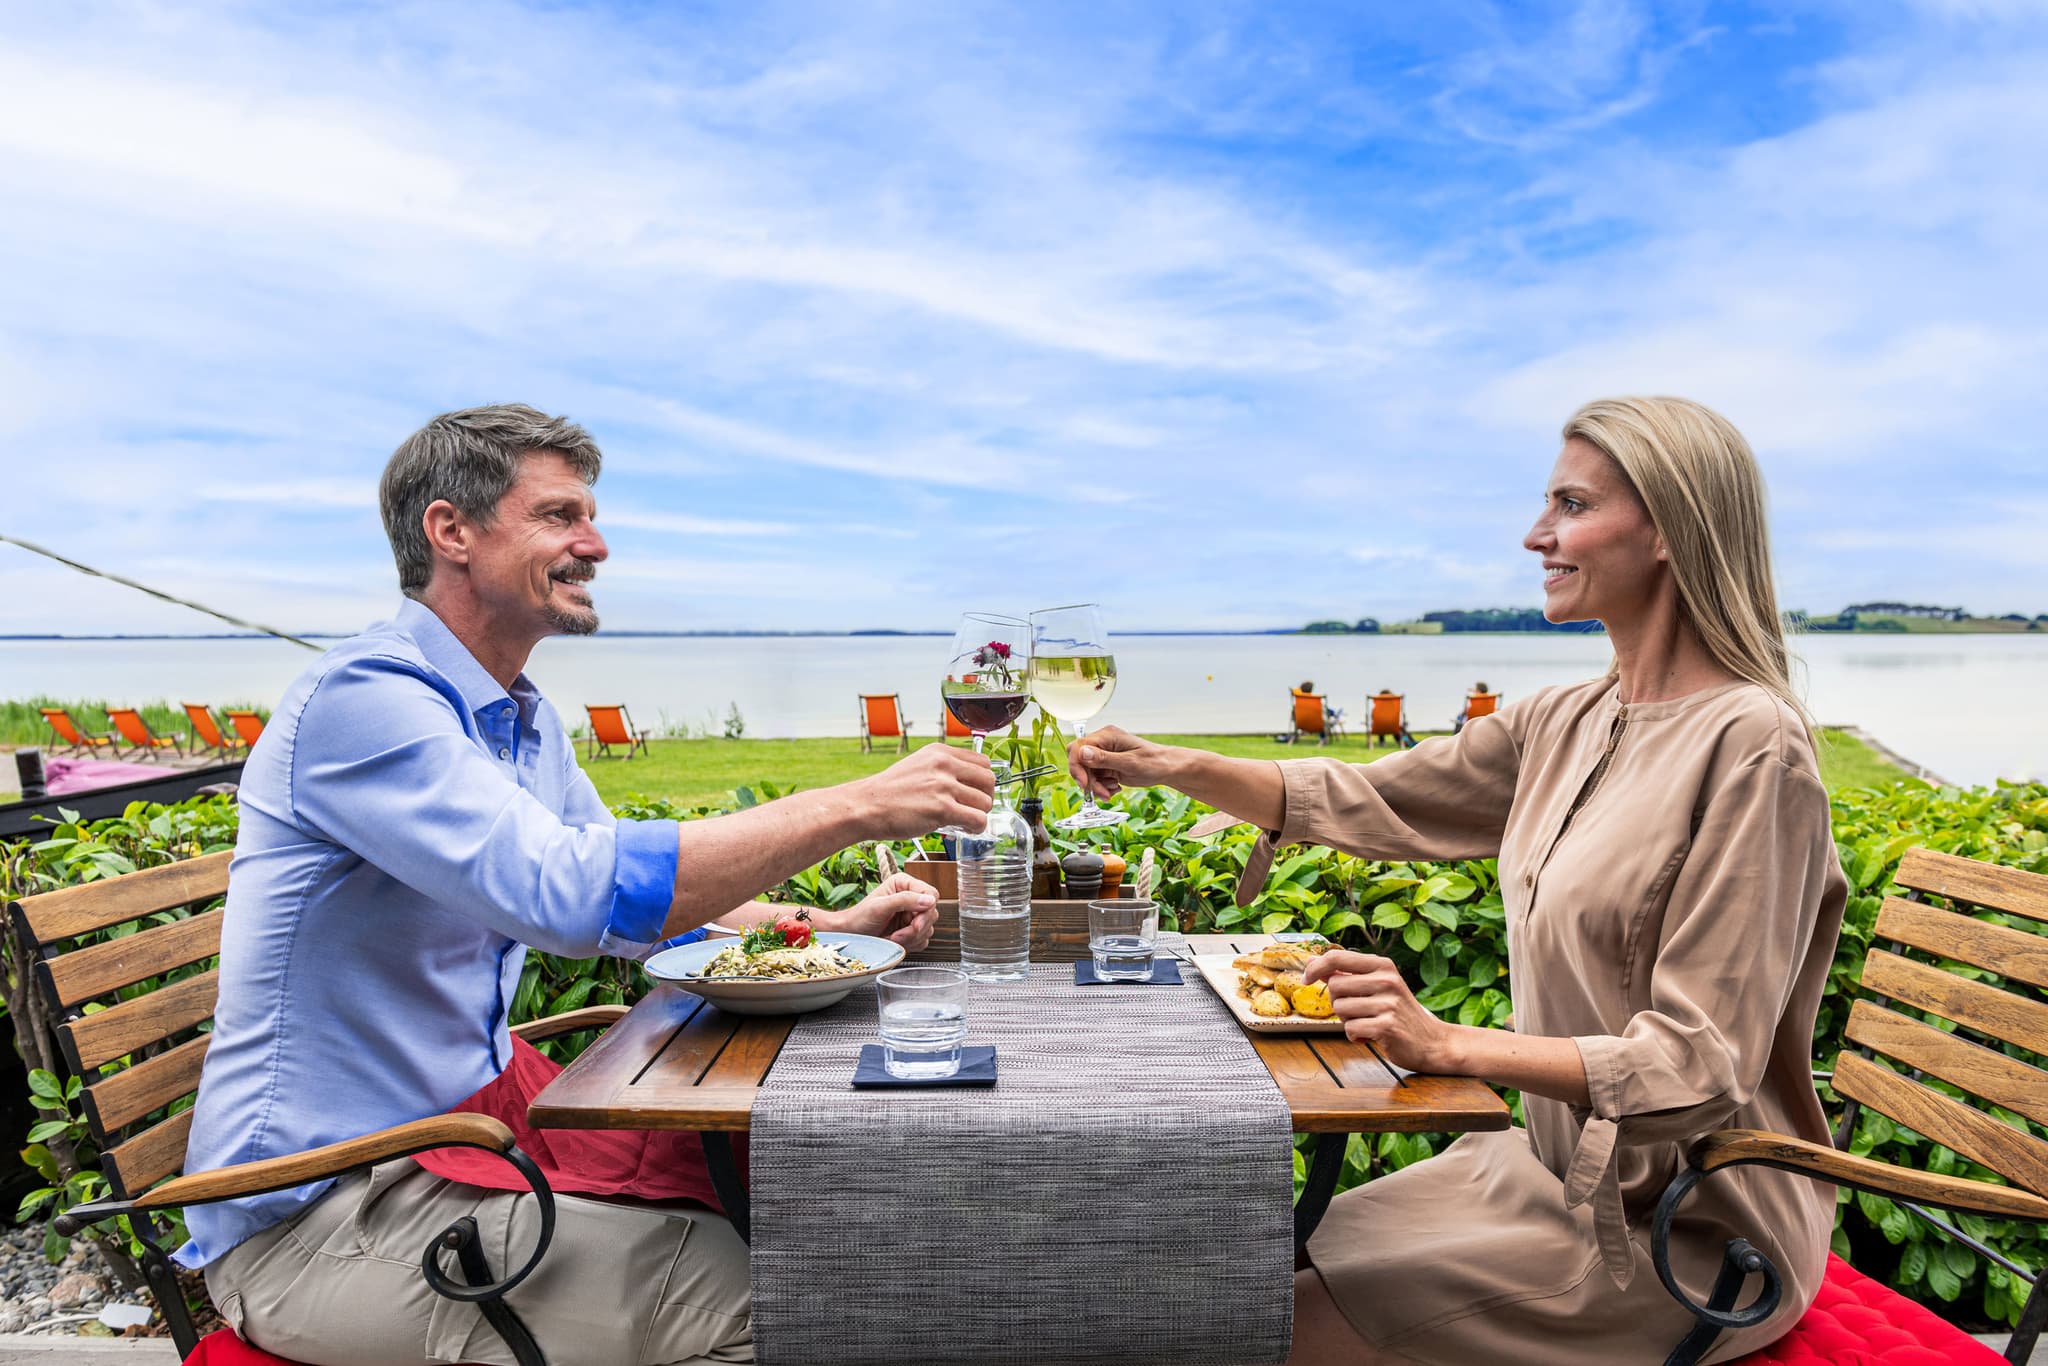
[1449,797]
[381,765]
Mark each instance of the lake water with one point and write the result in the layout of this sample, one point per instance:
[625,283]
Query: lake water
[1968,707]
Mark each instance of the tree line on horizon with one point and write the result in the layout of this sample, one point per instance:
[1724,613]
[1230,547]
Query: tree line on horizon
[1850,618]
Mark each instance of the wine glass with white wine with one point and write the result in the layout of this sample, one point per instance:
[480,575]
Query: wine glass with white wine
[1073,676]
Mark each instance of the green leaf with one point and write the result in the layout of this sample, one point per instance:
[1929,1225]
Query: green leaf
[1912,1265]
[1388,916]
[1275,922]
[45,1084]
[48,1130]
[1416,936]
[1340,920]
[1446,916]
[1445,994]
[1943,1281]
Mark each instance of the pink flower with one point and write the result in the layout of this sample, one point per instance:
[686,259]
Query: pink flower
[1002,650]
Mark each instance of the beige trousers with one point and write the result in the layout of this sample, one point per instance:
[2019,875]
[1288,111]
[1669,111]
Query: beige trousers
[339,1284]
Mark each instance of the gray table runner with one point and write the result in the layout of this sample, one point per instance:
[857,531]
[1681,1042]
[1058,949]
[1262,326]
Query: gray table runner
[1124,1192]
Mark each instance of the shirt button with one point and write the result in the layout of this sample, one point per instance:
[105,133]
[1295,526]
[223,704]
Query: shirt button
[504,753]
[1528,879]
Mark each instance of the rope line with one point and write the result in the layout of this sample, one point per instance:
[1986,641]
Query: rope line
[157,592]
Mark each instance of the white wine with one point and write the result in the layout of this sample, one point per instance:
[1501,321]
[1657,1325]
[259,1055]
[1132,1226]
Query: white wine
[1073,687]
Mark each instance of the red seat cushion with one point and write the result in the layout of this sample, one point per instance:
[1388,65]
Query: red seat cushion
[223,1348]
[1854,1321]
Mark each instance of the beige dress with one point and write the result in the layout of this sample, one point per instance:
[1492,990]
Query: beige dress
[1679,929]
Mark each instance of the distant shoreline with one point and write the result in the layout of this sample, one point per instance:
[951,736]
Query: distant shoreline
[1952,630]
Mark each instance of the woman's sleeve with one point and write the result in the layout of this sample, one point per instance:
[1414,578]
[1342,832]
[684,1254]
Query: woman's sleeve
[1734,940]
[1447,798]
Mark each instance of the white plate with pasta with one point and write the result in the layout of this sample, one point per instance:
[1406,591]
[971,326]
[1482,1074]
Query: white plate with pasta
[775,981]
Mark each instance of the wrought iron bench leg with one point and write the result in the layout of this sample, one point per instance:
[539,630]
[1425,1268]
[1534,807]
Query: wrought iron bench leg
[2033,1317]
[163,1283]
[1738,1262]
[1323,1169]
[461,1239]
[725,1180]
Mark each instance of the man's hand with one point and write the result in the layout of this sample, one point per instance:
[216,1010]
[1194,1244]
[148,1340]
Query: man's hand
[1376,1006]
[935,787]
[902,909]
[1109,760]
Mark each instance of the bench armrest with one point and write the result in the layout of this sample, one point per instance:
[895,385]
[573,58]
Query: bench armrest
[568,1022]
[1755,1147]
[296,1169]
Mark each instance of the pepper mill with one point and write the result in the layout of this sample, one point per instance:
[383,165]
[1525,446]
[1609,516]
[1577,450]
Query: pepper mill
[1084,875]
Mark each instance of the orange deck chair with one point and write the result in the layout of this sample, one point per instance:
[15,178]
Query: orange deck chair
[881,718]
[137,733]
[1478,704]
[247,724]
[1389,718]
[206,732]
[614,726]
[75,740]
[1312,717]
[949,725]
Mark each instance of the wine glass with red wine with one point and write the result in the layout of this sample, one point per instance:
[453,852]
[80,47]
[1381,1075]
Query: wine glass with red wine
[988,683]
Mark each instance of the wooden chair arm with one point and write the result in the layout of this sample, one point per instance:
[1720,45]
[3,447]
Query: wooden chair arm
[296,1169]
[1747,1147]
[568,1022]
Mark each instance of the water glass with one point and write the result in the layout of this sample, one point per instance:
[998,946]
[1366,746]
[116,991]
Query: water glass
[1121,935]
[924,1020]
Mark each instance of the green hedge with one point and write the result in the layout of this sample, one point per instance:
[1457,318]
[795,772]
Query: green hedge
[1443,922]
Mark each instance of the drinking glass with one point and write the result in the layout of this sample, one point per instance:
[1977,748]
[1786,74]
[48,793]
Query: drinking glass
[1073,676]
[987,675]
[1121,935]
[924,1020]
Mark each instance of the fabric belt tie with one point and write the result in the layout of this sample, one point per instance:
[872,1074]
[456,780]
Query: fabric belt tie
[1591,1176]
[1252,880]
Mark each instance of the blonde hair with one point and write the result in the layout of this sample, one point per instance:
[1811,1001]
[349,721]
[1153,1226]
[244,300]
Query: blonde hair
[1700,483]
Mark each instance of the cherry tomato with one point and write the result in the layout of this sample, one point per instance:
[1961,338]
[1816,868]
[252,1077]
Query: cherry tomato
[796,932]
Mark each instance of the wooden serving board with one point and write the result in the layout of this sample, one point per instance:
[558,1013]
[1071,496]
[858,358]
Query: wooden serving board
[1216,970]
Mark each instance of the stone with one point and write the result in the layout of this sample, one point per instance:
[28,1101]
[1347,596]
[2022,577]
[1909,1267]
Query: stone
[75,1289]
[12,1320]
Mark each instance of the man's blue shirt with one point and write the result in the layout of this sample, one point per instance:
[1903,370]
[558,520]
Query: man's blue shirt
[407,828]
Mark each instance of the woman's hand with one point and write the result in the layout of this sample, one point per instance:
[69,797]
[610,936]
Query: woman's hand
[1377,1007]
[902,909]
[1107,761]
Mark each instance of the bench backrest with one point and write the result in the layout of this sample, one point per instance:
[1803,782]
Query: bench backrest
[149,1046]
[2010,1015]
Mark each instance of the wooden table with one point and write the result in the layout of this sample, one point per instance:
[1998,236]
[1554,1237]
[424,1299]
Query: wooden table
[675,1062]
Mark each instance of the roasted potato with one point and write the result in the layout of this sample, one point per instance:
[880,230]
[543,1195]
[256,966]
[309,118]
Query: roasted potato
[1271,1004]
[1312,1000]
[1286,982]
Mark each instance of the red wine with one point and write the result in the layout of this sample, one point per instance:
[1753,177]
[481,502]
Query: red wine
[983,712]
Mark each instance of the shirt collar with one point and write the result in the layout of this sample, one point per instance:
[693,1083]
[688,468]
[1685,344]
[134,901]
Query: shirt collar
[453,661]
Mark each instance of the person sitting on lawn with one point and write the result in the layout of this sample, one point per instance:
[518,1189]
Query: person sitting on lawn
[1672,898]
[414,819]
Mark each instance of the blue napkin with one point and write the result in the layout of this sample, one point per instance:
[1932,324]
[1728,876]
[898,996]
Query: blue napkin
[977,1068]
[1165,973]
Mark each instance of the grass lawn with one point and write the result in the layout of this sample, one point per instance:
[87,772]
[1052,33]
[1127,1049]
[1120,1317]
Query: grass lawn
[691,772]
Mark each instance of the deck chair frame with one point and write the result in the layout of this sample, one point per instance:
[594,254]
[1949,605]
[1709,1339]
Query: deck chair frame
[1331,721]
[143,740]
[141,1059]
[634,738]
[223,740]
[1892,980]
[81,740]
[867,735]
[1399,733]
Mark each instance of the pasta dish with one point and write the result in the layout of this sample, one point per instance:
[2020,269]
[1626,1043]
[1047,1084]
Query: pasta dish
[791,963]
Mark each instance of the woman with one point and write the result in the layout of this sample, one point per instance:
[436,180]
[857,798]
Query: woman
[1672,898]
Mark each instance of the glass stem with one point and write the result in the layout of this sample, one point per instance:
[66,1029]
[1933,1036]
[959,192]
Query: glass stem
[1087,797]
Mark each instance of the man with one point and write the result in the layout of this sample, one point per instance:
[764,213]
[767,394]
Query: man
[412,819]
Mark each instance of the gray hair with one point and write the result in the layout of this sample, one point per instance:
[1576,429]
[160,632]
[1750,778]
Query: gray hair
[469,458]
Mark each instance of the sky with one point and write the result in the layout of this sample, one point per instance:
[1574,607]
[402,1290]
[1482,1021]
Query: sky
[1222,314]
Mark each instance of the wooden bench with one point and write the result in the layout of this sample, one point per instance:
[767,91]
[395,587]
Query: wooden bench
[141,1056]
[1973,1058]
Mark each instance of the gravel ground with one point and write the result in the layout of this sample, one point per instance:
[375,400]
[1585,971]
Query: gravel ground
[38,1298]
